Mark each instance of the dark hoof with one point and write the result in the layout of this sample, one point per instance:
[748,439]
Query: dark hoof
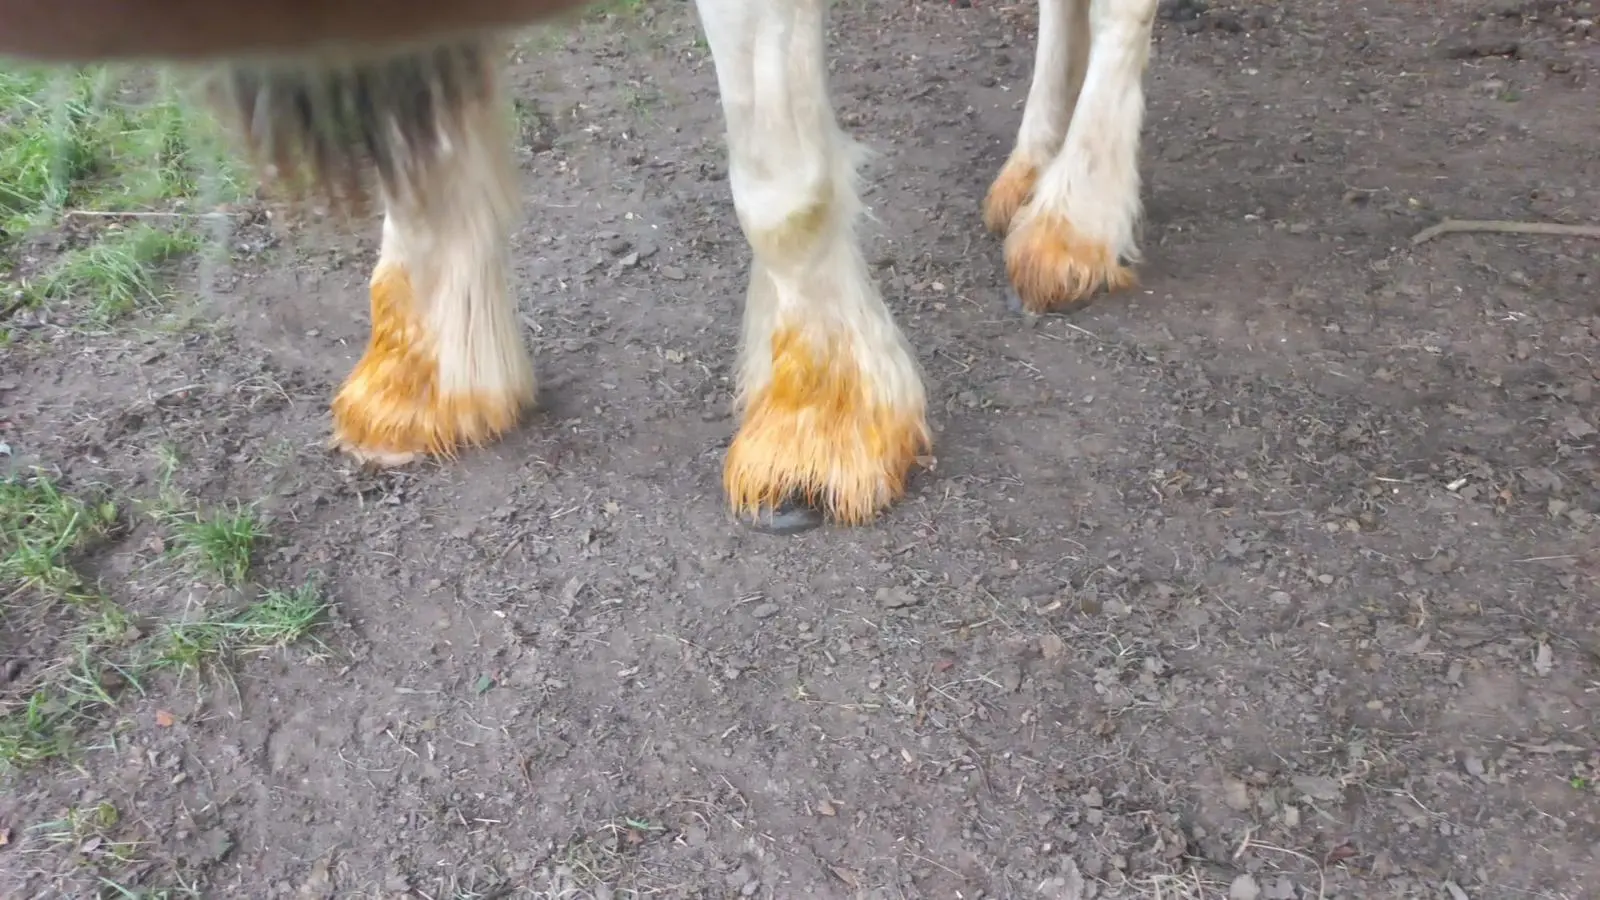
[789,517]
[1015,306]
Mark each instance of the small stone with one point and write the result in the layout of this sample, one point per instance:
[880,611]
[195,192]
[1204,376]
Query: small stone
[1052,646]
[740,876]
[1318,787]
[1280,888]
[1068,885]
[895,598]
[319,884]
[1244,887]
[1236,794]
[1383,865]
[765,611]
[1440,563]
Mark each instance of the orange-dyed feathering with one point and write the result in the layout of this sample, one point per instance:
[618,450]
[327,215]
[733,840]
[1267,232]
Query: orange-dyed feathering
[1053,267]
[1010,191]
[390,410]
[816,433]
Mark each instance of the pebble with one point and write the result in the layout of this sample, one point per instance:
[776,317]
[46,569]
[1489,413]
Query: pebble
[895,598]
[1244,887]
[1280,888]
[1236,794]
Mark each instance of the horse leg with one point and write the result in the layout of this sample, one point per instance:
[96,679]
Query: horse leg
[445,366]
[1059,61]
[830,396]
[1077,232]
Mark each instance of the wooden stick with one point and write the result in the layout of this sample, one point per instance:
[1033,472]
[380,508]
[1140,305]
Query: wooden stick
[132,214]
[1498,226]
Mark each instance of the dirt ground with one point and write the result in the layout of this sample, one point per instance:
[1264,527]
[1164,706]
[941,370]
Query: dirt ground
[1276,579]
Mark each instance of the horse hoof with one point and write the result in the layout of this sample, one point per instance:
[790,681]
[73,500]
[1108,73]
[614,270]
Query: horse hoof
[1014,304]
[787,518]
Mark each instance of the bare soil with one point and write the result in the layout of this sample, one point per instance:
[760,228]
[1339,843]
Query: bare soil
[1276,578]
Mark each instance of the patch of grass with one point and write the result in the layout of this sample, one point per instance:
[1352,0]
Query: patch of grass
[102,138]
[42,730]
[91,145]
[94,679]
[112,656]
[111,890]
[609,856]
[189,646]
[45,146]
[616,7]
[220,544]
[108,652]
[44,529]
[279,618]
[169,497]
[110,626]
[118,273]
[640,100]
[99,839]
[71,697]
[87,832]
[41,528]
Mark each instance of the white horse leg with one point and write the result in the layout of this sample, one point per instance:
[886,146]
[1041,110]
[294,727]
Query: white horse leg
[445,366]
[1076,234]
[830,396]
[1059,62]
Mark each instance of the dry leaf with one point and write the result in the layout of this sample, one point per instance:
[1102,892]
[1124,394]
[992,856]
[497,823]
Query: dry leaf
[164,719]
[1339,854]
[1543,660]
[1051,646]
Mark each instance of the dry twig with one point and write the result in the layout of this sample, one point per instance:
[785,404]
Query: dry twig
[1499,226]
